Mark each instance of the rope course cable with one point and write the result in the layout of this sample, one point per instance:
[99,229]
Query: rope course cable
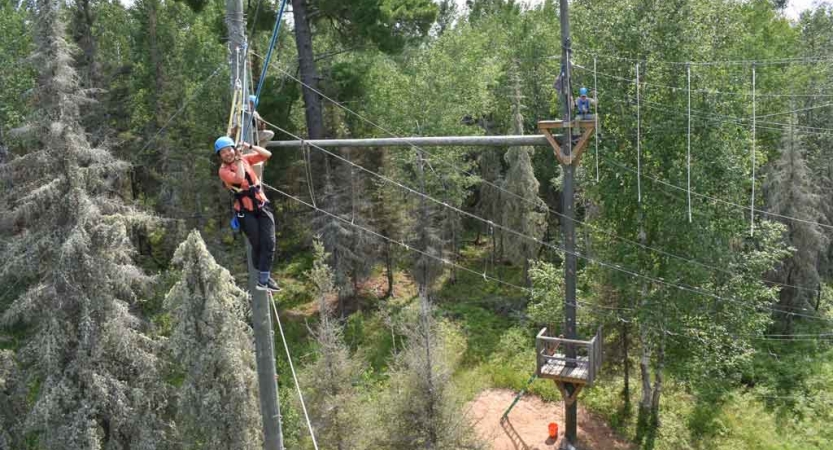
[779,338]
[516,196]
[394,241]
[272,41]
[596,117]
[733,118]
[613,266]
[521,288]
[182,108]
[775,61]
[292,369]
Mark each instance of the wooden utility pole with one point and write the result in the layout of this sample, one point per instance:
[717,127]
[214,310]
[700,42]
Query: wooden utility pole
[568,225]
[261,318]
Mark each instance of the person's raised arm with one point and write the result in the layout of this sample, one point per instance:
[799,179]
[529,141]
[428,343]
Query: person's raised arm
[262,153]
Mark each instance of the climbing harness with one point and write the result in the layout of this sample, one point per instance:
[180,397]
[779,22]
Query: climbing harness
[251,192]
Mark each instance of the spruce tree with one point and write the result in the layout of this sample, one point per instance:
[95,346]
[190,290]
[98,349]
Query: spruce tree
[337,236]
[792,193]
[212,346]
[389,217]
[422,408]
[525,215]
[92,370]
[333,399]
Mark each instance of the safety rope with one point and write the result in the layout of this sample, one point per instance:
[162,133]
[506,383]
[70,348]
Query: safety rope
[638,145]
[275,31]
[238,87]
[752,205]
[232,111]
[182,108]
[518,397]
[596,116]
[292,369]
[503,228]
[688,148]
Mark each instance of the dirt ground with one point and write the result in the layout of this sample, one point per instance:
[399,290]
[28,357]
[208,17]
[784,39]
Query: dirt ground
[528,421]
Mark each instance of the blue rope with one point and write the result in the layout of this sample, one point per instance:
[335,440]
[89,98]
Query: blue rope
[272,43]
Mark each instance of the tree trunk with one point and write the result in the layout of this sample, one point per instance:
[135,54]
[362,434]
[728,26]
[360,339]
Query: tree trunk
[309,75]
[645,370]
[84,22]
[454,248]
[626,391]
[389,268]
[155,60]
[658,368]
[494,251]
[645,360]
[818,295]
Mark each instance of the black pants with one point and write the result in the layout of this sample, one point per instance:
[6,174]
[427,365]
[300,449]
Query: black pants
[259,227]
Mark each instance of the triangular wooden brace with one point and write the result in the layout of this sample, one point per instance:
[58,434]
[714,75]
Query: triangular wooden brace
[569,399]
[575,158]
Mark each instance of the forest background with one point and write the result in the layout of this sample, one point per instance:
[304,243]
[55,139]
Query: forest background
[121,320]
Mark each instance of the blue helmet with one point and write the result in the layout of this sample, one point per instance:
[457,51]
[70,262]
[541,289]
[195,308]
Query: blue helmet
[253,99]
[582,91]
[222,142]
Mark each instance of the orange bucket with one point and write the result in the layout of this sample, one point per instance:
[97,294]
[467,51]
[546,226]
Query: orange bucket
[553,427]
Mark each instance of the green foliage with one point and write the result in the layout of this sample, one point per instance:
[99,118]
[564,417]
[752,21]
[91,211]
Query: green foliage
[383,59]
[16,78]
[211,345]
[388,24]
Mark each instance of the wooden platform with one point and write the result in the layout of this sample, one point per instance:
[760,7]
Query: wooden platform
[549,124]
[552,361]
[556,368]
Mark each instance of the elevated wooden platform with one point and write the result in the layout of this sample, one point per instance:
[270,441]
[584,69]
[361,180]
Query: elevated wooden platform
[552,361]
[549,124]
[587,127]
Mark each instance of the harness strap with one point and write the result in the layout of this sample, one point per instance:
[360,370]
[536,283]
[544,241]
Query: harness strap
[239,193]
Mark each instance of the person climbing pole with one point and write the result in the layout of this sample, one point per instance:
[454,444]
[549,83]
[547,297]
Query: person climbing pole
[252,209]
[263,135]
[583,103]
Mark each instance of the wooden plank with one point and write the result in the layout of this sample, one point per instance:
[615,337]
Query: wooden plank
[558,370]
[565,341]
[550,124]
